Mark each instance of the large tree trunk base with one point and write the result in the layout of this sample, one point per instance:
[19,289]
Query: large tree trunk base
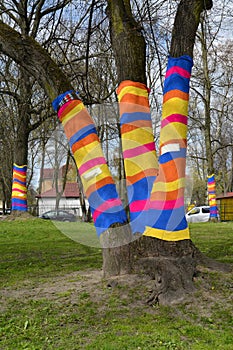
[170,267]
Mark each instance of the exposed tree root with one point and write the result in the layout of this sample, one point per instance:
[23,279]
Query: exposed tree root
[171,267]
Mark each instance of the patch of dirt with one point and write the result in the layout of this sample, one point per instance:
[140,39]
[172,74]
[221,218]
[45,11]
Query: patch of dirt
[134,289]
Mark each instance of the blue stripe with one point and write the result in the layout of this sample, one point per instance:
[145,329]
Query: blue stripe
[176,82]
[185,62]
[19,182]
[79,135]
[167,157]
[20,169]
[105,220]
[141,189]
[169,220]
[19,201]
[131,117]
[15,207]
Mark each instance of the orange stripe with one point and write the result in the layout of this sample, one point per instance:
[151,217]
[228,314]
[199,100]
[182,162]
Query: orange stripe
[79,121]
[166,196]
[85,141]
[172,170]
[139,100]
[69,107]
[137,124]
[127,83]
[99,184]
[141,175]
[133,108]
[175,93]
[19,177]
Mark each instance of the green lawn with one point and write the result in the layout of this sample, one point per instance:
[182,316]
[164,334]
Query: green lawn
[53,296]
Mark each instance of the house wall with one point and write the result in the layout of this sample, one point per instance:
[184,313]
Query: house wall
[70,204]
[226,209]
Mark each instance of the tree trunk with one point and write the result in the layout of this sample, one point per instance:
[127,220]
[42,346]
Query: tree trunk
[172,265]
[25,51]
[19,204]
[128,41]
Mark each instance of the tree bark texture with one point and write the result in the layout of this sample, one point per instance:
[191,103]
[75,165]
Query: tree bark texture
[25,51]
[185,26]
[128,42]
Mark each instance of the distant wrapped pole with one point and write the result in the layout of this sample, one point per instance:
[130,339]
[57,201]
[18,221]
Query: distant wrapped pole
[167,214]
[99,186]
[138,147]
[212,197]
[19,189]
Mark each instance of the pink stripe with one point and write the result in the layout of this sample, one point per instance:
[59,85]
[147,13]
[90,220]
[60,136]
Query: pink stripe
[110,203]
[130,153]
[19,172]
[172,204]
[174,118]
[91,163]
[62,108]
[19,205]
[176,69]
[140,205]
[18,190]
[211,182]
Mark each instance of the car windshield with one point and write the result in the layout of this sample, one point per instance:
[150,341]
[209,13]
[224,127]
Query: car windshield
[194,211]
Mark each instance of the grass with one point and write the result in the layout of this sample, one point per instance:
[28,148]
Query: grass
[53,296]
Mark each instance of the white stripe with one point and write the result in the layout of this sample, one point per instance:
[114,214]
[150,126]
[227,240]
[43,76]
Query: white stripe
[172,147]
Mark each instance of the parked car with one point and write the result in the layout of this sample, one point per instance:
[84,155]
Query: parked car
[198,214]
[6,212]
[58,215]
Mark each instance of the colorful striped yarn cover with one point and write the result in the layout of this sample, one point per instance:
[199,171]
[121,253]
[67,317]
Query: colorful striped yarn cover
[19,189]
[138,147]
[212,196]
[167,214]
[99,187]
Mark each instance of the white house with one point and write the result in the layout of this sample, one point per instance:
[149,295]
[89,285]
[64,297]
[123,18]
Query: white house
[70,199]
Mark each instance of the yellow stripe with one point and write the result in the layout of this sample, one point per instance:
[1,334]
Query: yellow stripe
[88,152]
[169,186]
[20,166]
[19,187]
[167,235]
[138,135]
[173,131]
[19,195]
[105,173]
[132,90]
[137,164]
[72,113]
[22,177]
[175,106]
